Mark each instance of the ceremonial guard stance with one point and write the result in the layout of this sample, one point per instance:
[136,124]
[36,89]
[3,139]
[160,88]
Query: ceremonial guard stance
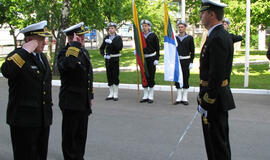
[215,98]
[226,24]
[29,111]
[112,44]
[185,51]
[151,57]
[76,92]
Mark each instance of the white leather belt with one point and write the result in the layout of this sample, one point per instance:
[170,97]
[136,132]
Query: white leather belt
[114,55]
[184,57]
[149,55]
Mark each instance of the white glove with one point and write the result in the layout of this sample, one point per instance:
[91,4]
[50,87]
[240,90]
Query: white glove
[135,53]
[190,65]
[202,111]
[156,62]
[108,41]
[106,56]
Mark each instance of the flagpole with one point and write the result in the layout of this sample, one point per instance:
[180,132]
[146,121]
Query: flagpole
[138,81]
[172,92]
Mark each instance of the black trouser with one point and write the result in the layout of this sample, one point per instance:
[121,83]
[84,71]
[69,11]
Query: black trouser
[30,143]
[185,70]
[151,72]
[112,70]
[74,134]
[216,136]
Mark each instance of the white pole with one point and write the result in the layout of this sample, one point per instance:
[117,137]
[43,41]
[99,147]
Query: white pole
[247,43]
[183,8]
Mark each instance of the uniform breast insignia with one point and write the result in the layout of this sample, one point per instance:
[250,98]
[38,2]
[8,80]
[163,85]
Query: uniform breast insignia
[34,67]
[17,59]
[204,50]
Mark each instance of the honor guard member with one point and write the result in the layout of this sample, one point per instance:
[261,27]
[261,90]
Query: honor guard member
[268,53]
[215,98]
[76,92]
[151,56]
[185,51]
[112,45]
[29,111]
[226,24]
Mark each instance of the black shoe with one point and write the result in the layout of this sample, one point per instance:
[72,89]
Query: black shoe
[115,99]
[184,102]
[143,100]
[177,102]
[150,101]
[109,98]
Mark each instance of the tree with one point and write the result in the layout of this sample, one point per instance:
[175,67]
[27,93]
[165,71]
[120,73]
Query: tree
[61,38]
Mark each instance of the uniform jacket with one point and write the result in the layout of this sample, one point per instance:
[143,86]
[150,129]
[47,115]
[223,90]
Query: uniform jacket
[76,74]
[186,47]
[268,53]
[215,67]
[236,38]
[114,48]
[152,45]
[30,100]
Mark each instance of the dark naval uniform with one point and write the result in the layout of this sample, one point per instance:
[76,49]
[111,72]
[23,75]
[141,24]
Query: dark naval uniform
[75,97]
[236,38]
[268,53]
[29,111]
[151,53]
[185,51]
[112,64]
[215,94]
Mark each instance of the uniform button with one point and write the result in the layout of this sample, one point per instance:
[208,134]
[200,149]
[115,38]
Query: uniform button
[44,92]
[88,89]
[43,102]
[88,81]
[38,72]
[44,83]
[79,62]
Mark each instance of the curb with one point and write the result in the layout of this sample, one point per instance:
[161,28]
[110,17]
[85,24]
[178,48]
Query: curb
[168,88]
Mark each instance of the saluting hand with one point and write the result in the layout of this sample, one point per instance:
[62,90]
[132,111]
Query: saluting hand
[30,46]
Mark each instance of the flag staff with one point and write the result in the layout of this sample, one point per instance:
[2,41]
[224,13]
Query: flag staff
[138,81]
[172,92]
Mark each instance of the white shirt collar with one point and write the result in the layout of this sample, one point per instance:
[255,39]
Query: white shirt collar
[212,28]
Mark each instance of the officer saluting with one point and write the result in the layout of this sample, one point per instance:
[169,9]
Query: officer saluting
[185,51]
[76,92]
[151,56]
[29,112]
[215,98]
[113,44]
[226,23]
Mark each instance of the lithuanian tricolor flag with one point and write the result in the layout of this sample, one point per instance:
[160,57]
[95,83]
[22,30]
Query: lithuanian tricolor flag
[139,45]
[172,67]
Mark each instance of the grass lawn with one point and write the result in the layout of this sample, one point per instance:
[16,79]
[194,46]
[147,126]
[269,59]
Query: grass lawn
[259,77]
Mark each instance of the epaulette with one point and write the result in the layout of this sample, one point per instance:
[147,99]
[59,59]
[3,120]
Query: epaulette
[17,59]
[72,51]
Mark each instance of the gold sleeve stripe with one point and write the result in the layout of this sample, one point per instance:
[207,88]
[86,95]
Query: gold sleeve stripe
[72,51]
[92,90]
[207,99]
[16,58]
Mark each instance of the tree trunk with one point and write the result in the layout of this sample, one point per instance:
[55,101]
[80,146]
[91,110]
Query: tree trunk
[49,53]
[61,38]
[12,32]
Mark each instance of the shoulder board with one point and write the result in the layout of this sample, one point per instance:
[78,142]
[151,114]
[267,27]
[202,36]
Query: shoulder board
[17,59]
[72,51]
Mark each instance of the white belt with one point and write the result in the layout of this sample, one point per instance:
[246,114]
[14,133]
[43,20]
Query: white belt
[114,55]
[184,57]
[149,55]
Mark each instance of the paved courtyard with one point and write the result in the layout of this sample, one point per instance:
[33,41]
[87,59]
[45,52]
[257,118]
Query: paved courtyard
[127,130]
